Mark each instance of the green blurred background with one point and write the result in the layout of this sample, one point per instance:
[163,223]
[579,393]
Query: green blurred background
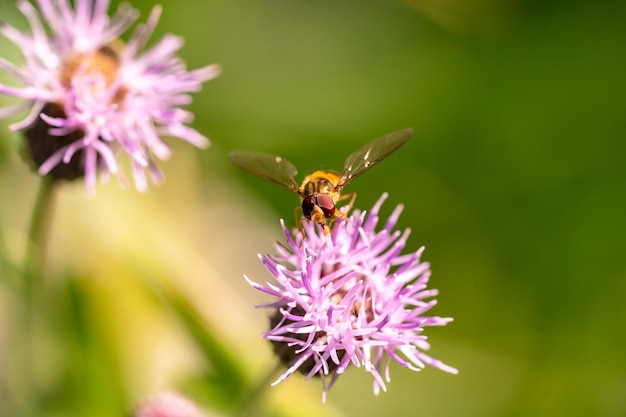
[515,181]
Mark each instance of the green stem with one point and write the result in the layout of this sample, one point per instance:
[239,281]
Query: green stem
[27,392]
[37,233]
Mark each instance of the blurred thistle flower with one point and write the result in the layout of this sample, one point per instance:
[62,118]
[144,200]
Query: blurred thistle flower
[350,298]
[168,405]
[91,96]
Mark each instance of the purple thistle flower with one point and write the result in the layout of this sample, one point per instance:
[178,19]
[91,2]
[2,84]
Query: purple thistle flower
[91,96]
[168,404]
[350,298]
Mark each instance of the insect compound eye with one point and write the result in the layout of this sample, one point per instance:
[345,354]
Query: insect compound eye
[308,205]
[326,203]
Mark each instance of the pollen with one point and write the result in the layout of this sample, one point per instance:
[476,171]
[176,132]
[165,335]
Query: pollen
[105,62]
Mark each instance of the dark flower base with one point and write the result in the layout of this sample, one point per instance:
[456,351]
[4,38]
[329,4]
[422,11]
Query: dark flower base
[40,146]
[287,354]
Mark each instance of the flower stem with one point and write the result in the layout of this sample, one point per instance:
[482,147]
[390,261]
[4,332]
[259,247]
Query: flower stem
[28,395]
[37,233]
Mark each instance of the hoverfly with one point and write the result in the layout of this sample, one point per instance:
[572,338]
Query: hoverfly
[321,190]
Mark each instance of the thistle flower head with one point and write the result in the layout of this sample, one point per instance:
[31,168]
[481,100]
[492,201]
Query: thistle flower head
[168,404]
[92,97]
[350,297]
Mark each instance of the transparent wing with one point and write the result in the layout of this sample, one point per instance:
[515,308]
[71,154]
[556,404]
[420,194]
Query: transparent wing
[371,154]
[270,167]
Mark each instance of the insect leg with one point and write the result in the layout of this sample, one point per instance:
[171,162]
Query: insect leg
[352,197]
[299,219]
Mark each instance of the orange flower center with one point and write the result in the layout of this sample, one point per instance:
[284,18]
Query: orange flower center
[104,62]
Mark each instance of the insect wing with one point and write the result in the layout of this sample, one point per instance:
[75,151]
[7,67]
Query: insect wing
[371,154]
[270,167]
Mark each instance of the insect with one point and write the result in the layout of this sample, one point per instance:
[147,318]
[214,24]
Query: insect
[321,190]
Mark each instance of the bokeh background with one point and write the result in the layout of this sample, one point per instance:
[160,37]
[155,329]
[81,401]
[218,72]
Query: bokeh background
[515,181]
